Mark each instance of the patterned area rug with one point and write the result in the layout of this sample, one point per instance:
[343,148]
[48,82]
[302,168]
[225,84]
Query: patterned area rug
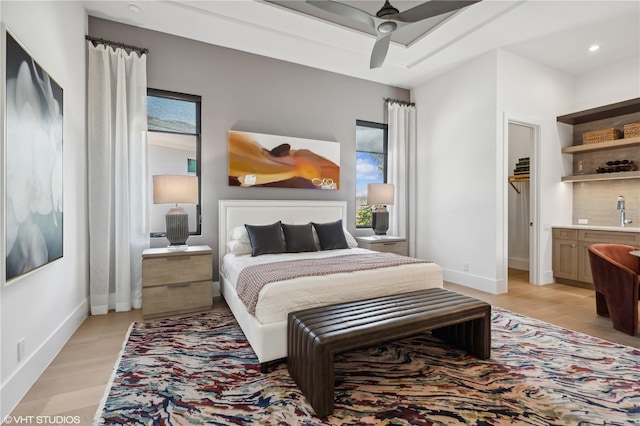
[201,370]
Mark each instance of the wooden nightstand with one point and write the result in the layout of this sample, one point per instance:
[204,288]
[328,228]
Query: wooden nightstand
[176,282]
[385,243]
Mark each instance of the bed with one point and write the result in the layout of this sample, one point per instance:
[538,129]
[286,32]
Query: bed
[266,327]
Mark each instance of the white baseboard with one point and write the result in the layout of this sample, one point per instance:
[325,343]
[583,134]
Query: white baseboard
[547,278]
[474,281]
[18,384]
[521,264]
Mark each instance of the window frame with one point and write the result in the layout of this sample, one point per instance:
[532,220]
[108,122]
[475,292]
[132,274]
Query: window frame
[385,148]
[197,100]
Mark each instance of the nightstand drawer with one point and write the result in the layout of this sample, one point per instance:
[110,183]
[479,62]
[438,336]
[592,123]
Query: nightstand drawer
[397,247]
[176,298]
[385,244]
[176,269]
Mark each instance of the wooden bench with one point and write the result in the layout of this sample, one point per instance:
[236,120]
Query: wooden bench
[315,335]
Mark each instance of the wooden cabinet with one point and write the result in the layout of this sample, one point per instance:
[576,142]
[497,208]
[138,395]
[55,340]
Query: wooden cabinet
[587,237]
[587,158]
[176,282]
[565,254]
[383,243]
[570,255]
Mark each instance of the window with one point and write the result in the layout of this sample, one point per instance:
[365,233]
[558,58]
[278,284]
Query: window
[174,149]
[371,165]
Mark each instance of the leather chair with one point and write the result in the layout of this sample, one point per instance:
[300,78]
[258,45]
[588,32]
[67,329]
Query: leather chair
[616,279]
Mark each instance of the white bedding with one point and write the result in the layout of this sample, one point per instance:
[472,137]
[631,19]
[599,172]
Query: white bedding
[277,299]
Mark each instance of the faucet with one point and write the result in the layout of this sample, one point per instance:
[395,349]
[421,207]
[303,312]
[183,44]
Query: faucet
[620,207]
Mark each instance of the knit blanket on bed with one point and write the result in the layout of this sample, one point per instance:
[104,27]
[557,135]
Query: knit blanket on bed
[252,278]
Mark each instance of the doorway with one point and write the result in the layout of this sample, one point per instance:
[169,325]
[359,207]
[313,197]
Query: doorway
[521,210]
[518,199]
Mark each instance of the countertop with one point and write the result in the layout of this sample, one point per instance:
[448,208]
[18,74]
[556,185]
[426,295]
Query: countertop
[600,228]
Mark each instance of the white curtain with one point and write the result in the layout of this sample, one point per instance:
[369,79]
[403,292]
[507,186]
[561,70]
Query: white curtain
[117,124]
[401,170]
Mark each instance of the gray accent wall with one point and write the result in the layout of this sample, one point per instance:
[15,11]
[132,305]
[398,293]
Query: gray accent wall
[248,92]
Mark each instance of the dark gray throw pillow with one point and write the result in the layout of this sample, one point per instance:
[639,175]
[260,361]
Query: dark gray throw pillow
[298,238]
[265,239]
[331,235]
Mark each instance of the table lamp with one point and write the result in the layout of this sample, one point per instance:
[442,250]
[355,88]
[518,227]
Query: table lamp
[176,189]
[381,195]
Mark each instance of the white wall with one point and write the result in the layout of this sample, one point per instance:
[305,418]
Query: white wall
[456,138]
[534,92]
[462,202]
[46,306]
[614,83]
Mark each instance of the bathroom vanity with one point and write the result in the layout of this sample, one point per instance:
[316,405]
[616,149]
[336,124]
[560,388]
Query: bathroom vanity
[570,257]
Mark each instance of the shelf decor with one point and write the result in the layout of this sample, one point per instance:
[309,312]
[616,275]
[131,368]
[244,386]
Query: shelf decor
[631,130]
[590,159]
[261,160]
[602,135]
[32,135]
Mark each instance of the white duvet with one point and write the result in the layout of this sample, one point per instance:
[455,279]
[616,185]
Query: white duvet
[277,299]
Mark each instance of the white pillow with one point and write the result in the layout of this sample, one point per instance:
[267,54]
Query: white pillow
[351,242]
[238,247]
[239,233]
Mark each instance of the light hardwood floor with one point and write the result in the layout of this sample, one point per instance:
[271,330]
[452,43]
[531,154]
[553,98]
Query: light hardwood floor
[74,383]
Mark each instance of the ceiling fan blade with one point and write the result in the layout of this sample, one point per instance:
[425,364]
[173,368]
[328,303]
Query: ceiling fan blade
[432,8]
[343,10]
[380,51]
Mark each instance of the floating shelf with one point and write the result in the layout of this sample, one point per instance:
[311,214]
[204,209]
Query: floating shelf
[518,178]
[602,176]
[607,111]
[617,143]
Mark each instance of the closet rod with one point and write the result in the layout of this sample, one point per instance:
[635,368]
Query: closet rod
[116,44]
[397,101]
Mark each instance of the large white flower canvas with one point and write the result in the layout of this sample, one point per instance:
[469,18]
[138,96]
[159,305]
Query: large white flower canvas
[33,163]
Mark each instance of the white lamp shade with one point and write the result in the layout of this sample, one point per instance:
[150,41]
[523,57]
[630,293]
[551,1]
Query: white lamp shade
[380,194]
[175,189]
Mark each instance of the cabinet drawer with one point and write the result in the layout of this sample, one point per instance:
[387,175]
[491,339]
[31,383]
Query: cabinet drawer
[176,269]
[630,238]
[565,234]
[397,247]
[176,298]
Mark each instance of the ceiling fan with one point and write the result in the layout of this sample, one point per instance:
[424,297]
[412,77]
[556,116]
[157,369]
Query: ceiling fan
[389,19]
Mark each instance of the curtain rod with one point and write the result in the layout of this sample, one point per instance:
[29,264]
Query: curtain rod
[397,101]
[116,44]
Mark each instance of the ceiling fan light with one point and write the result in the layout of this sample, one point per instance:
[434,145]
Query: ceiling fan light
[387,27]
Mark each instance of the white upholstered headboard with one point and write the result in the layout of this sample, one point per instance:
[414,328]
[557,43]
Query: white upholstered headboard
[234,213]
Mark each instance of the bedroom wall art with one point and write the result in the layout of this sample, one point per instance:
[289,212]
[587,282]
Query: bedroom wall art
[33,162]
[261,160]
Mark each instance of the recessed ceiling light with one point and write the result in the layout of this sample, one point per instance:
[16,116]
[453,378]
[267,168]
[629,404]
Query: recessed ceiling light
[594,47]
[134,8]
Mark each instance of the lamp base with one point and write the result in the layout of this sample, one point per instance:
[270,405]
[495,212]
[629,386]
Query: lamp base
[177,221]
[380,221]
